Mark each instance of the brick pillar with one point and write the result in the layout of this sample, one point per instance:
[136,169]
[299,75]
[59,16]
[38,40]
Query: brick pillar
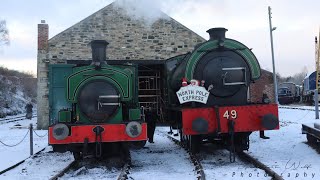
[264,85]
[42,75]
[43,35]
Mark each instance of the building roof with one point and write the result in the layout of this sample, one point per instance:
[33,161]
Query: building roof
[129,37]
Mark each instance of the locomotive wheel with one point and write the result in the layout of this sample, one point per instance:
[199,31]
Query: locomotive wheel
[77,155]
[194,143]
[184,139]
[61,148]
[137,144]
[125,152]
[311,139]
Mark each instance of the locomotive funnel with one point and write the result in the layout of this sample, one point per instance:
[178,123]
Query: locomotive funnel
[98,48]
[217,33]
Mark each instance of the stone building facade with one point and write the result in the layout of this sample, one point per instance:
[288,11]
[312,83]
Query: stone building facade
[128,38]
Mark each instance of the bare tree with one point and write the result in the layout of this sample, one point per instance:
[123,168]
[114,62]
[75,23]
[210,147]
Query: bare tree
[296,78]
[4,33]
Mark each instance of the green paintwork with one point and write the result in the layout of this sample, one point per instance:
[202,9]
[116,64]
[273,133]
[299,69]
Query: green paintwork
[118,77]
[64,116]
[134,114]
[65,81]
[121,77]
[236,46]
[58,74]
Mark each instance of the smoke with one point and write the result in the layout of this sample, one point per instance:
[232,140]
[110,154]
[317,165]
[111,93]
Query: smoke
[145,11]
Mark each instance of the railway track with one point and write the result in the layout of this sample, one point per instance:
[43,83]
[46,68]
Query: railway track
[194,160]
[315,146]
[293,107]
[78,168]
[73,164]
[244,157]
[125,170]
[20,162]
[248,158]
[253,167]
[14,119]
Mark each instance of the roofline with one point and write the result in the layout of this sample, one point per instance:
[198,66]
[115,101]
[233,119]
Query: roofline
[107,7]
[81,21]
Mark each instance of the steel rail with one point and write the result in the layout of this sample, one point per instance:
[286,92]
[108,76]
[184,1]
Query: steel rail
[299,108]
[14,119]
[20,162]
[194,159]
[64,170]
[246,157]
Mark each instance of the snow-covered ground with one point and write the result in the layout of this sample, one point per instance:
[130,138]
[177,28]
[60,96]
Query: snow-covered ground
[11,134]
[42,166]
[286,153]
[161,160]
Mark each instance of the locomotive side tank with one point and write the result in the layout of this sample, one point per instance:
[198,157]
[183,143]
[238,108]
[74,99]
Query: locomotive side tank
[218,72]
[94,106]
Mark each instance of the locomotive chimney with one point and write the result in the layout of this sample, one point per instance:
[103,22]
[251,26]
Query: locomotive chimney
[98,48]
[217,33]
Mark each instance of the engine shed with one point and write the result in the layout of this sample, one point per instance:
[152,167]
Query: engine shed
[130,39]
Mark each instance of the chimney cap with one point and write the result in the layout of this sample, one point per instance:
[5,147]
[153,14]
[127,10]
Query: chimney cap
[99,42]
[43,21]
[217,29]
[218,33]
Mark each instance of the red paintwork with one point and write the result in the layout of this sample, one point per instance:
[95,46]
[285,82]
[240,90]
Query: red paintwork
[248,118]
[111,133]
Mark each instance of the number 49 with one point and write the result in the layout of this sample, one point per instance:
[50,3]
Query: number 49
[232,113]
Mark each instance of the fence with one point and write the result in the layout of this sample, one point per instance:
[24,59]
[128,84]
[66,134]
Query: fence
[30,131]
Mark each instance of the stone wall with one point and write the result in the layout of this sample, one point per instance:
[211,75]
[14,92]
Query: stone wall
[261,86]
[128,39]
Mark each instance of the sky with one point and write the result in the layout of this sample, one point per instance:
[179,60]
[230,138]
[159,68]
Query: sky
[297,23]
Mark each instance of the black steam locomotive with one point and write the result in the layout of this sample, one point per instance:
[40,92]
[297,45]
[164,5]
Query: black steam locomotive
[208,94]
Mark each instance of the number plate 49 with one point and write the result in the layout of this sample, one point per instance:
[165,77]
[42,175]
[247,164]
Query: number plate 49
[230,114]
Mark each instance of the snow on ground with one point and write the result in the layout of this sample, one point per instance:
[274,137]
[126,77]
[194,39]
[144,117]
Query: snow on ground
[161,161]
[11,134]
[92,169]
[298,107]
[41,166]
[286,153]
[216,164]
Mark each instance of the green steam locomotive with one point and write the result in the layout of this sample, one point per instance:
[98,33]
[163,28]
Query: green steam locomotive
[94,108]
